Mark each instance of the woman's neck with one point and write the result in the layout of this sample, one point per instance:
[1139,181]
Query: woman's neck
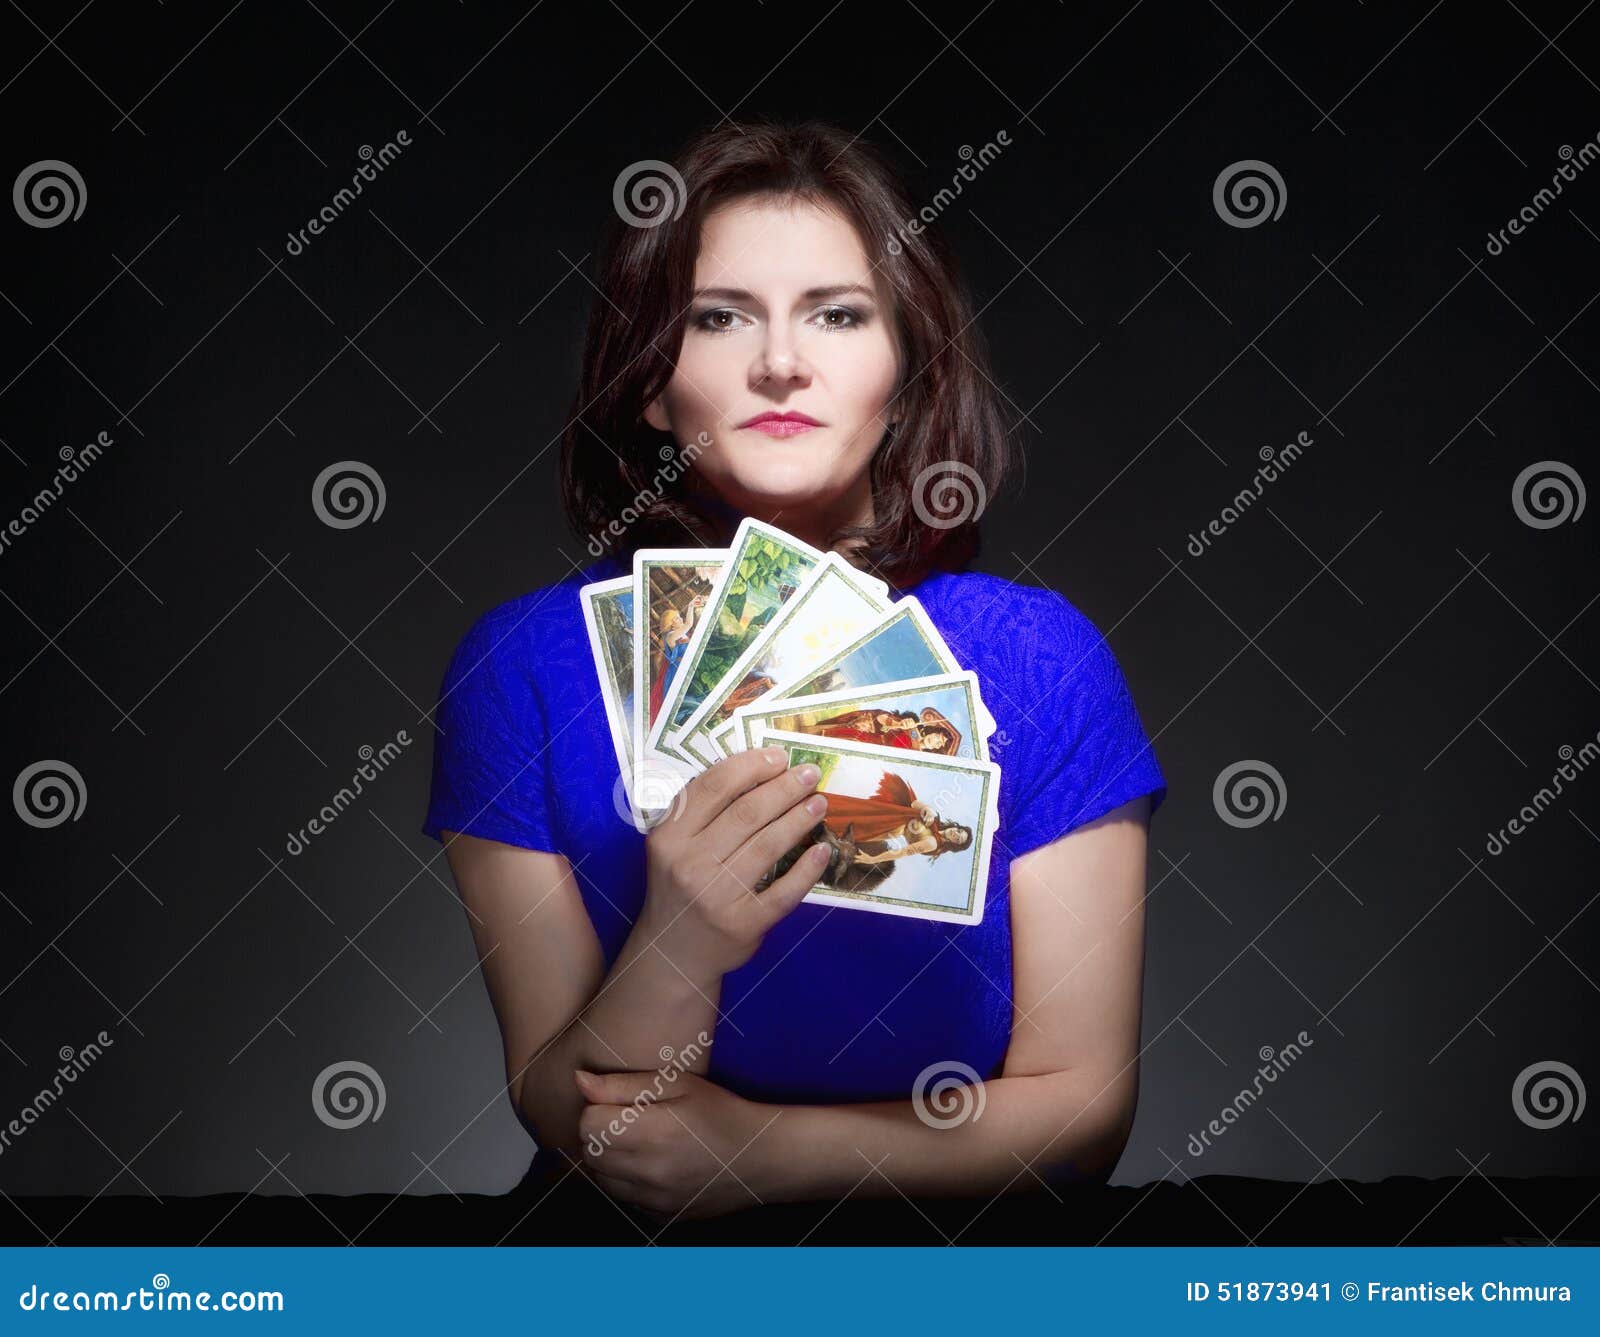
[812,525]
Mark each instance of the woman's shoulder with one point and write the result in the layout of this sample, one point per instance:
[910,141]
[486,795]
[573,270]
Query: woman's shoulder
[530,637]
[1020,625]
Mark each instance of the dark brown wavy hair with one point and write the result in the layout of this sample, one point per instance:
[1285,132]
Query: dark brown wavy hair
[950,443]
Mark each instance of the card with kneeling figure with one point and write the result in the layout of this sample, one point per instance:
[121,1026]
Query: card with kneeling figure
[938,714]
[910,833]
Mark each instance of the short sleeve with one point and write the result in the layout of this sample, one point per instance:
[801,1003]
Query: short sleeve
[1082,749]
[490,768]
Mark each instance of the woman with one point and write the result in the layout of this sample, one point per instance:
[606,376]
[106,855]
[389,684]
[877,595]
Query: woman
[789,284]
[930,732]
[676,629]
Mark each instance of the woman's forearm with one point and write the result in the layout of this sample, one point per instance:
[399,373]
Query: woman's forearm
[1057,1127]
[649,1012]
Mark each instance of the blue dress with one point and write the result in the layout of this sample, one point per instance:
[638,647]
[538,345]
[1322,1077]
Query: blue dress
[836,1005]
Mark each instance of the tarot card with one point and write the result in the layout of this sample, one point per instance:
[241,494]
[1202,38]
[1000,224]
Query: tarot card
[765,566]
[608,615]
[937,715]
[910,833]
[830,609]
[902,644]
[698,748]
[671,589]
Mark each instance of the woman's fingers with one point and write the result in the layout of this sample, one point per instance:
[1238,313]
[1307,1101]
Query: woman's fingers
[751,812]
[790,889]
[754,859]
[709,793]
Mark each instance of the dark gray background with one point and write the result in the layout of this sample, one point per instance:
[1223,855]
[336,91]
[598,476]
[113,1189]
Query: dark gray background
[1384,630]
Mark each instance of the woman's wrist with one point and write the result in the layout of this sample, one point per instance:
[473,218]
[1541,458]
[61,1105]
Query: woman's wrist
[666,936]
[783,1163]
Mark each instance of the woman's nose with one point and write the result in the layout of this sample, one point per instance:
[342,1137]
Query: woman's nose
[781,360]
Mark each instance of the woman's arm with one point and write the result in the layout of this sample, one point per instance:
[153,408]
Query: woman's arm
[1063,1105]
[559,1008]
[1061,1110]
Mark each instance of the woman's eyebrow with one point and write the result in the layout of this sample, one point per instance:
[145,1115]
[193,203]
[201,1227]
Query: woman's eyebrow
[810,294]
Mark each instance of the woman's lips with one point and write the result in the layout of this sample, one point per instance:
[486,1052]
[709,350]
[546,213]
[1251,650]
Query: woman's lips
[782,426]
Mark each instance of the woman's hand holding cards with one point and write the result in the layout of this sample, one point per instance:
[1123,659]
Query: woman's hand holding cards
[726,830]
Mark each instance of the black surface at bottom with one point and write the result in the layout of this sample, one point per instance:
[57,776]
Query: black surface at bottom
[566,1209]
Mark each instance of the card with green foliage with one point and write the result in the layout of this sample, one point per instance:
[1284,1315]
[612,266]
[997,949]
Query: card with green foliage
[764,568]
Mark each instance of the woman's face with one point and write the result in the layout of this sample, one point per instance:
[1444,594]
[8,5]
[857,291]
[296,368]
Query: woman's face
[787,318]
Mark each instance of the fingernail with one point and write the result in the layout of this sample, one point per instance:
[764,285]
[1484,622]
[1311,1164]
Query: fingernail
[816,805]
[774,754]
[817,853]
[807,774]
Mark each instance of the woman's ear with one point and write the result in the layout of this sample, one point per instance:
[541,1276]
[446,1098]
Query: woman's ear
[656,416]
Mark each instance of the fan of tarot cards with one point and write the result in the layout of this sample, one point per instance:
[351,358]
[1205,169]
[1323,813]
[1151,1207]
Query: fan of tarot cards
[704,652]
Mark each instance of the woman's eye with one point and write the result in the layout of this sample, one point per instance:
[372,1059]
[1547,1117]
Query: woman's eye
[718,321]
[839,317]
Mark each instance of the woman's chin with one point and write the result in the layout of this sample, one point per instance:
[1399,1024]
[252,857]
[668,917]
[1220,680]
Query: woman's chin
[776,489]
